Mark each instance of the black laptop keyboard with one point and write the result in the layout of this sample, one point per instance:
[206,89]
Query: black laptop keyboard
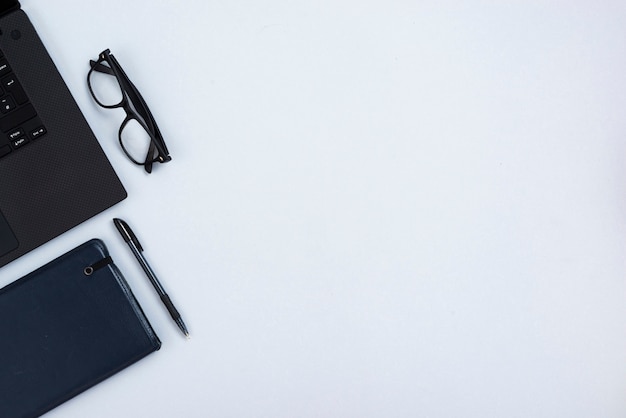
[19,124]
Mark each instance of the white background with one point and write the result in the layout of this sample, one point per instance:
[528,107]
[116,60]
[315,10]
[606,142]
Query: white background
[374,208]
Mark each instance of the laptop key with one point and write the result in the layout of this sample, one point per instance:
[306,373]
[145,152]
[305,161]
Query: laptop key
[36,133]
[17,117]
[11,85]
[16,133]
[5,150]
[6,104]
[4,67]
[19,142]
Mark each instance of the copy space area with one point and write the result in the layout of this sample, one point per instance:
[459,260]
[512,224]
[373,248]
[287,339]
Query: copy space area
[373,209]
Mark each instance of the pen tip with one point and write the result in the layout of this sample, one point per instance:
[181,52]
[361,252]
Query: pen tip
[182,326]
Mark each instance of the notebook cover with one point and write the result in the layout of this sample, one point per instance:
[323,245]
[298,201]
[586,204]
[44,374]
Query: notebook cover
[63,331]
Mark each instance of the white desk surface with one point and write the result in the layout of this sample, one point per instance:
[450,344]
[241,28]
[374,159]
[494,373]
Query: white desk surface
[374,209]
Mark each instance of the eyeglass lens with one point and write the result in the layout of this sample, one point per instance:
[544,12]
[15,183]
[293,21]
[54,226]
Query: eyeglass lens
[105,86]
[136,141]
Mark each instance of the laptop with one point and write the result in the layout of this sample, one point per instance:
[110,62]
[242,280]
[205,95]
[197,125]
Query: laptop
[53,172]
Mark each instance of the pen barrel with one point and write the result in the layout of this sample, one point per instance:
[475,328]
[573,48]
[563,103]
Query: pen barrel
[170,306]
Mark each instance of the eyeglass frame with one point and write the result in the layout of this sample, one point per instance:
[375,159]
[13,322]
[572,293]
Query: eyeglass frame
[135,107]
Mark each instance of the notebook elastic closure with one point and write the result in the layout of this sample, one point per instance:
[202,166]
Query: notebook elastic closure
[89,270]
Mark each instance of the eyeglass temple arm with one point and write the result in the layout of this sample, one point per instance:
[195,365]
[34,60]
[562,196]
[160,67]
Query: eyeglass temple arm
[144,111]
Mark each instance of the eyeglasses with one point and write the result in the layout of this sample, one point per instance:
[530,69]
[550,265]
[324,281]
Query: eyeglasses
[139,135]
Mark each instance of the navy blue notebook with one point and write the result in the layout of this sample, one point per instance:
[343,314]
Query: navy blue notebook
[64,328]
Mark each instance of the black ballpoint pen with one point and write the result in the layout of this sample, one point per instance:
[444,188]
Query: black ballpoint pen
[135,247]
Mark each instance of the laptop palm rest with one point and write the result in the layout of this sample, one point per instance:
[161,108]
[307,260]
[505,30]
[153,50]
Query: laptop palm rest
[8,242]
[53,181]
